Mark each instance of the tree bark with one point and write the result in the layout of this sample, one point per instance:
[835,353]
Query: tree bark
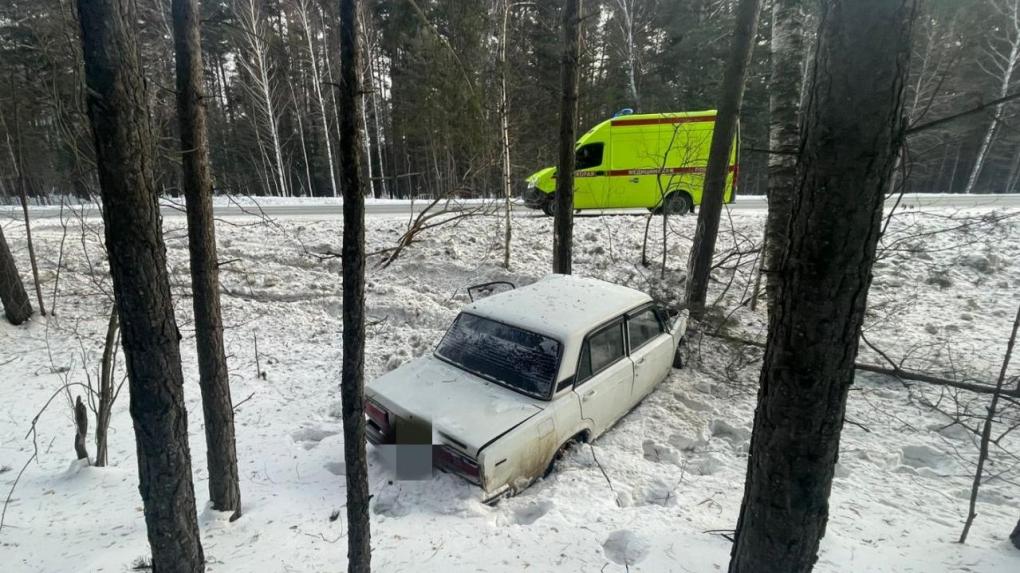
[106,390]
[853,126]
[116,98]
[1015,536]
[214,380]
[784,130]
[699,265]
[504,133]
[352,375]
[563,224]
[17,308]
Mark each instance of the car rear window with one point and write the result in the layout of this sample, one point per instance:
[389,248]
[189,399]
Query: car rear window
[511,356]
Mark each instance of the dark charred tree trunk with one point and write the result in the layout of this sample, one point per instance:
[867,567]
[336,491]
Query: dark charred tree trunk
[107,393]
[116,98]
[19,160]
[853,126]
[17,308]
[1015,536]
[563,223]
[699,264]
[784,128]
[81,429]
[352,374]
[221,454]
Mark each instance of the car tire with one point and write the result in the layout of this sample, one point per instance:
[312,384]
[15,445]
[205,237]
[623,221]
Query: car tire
[549,207]
[560,453]
[678,355]
[678,203]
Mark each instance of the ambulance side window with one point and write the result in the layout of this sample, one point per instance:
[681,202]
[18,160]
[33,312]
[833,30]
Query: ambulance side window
[589,155]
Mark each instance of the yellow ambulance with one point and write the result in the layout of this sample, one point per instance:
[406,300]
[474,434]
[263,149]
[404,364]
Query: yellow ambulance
[632,161]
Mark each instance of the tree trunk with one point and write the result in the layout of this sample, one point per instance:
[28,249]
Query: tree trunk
[504,135]
[699,264]
[17,308]
[1015,536]
[17,161]
[117,110]
[107,393]
[563,224]
[317,84]
[217,407]
[352,375]
[81,429]
[1006,63]
[852,127]
[784,130]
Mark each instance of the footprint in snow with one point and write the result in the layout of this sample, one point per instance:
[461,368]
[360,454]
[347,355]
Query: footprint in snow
[310,436]
[336,468]
[624,547]
[660,453]
[532,512]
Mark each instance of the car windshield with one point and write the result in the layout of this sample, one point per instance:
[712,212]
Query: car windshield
[510,356]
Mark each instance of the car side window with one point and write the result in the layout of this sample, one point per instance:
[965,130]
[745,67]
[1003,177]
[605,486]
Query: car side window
[642,327]
[589,155]
[600,350]
[584,365]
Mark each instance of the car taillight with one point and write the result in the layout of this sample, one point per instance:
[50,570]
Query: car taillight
[379,428]
[376,413]
[450,459]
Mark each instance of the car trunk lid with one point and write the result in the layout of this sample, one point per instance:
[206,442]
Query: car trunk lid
[467,412]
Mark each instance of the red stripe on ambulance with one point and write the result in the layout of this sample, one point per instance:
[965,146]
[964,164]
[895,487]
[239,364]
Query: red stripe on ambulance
[661,120]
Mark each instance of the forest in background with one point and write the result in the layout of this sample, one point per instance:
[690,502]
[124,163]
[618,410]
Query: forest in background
[431,73]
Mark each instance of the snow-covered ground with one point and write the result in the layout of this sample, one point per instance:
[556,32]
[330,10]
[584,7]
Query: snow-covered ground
[675,465]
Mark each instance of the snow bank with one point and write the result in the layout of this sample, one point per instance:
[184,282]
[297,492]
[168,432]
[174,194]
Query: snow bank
[673,468]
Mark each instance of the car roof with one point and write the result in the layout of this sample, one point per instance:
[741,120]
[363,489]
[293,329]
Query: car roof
[565,307]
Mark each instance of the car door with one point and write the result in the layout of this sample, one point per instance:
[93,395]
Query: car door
[651,349]
[604,377]
[591,188]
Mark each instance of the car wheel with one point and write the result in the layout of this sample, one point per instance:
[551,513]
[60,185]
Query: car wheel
[678,355]
[678,203]
[559,455]
[549,207]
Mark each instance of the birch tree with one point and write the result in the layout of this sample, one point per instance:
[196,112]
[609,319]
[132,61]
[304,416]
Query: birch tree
[302,13]
[625,18]
[784,129]
[1001,57]
[262,86]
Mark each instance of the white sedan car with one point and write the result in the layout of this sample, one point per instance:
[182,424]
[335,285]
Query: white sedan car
[523,374]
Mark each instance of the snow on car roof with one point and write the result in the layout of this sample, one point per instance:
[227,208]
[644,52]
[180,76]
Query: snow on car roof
[561,306]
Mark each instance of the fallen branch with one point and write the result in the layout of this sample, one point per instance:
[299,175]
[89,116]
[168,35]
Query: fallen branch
[894,371]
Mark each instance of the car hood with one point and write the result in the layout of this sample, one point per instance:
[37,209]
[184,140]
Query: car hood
[461,406]
[541,176]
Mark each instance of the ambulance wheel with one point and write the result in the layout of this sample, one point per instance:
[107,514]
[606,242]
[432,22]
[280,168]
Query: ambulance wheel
[549,207]
[678,203]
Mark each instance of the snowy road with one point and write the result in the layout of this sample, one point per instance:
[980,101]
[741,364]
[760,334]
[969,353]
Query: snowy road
[331,208]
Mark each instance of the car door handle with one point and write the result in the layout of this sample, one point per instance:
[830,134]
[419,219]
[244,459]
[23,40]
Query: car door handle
[588,395]
[641,361]
[633,179]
